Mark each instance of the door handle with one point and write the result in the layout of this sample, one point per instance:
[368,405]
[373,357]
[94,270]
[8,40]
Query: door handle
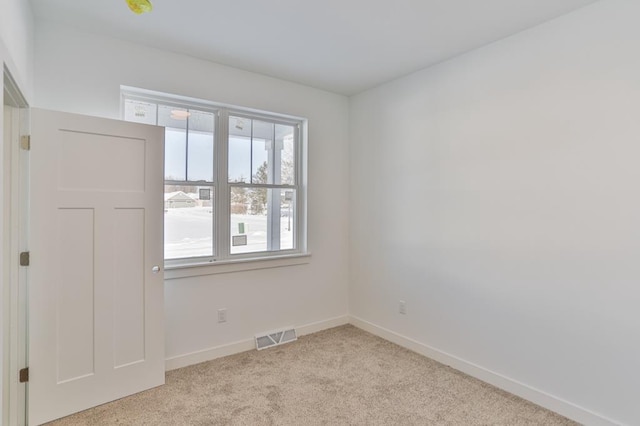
[155,269]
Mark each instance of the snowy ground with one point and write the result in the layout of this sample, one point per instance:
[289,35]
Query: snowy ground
[188,232]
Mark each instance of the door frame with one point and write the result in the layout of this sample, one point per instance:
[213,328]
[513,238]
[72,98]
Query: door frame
[14,225]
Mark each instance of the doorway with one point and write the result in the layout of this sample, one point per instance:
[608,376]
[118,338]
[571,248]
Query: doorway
[15,174]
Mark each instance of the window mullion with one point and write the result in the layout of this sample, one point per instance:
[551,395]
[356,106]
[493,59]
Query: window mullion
[251,154]
[273,215]
[186,149]
[301,191]
[261,185]
[223,191]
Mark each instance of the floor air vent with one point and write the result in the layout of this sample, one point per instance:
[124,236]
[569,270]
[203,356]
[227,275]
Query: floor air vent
[275,338]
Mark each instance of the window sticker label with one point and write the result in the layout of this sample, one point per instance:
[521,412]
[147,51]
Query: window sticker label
[239,240]
[205,193]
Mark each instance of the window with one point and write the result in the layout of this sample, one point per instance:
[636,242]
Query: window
[232,179]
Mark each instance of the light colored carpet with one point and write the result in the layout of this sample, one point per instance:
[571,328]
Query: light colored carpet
[342,376]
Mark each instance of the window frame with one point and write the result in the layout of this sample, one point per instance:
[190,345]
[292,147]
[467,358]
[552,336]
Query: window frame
[222,187]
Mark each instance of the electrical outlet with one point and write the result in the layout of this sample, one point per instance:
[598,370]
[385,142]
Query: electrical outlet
[402,307]
[222,315]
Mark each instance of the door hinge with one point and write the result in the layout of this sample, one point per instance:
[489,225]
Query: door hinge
[24,258]
[24,375]
[25,142]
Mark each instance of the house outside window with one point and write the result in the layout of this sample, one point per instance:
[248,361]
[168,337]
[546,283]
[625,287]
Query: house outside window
[233,179]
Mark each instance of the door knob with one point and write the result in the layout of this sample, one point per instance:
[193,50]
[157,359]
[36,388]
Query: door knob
[155,269]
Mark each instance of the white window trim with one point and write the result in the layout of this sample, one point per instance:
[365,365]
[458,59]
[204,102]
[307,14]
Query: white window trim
[223,261]
[235,265]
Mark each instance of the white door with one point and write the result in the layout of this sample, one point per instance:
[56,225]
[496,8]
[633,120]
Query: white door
[96,329]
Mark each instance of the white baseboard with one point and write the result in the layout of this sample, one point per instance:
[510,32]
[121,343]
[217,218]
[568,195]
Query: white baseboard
[558,405]
[565,408]
[245,345]
[204,355]
[314,327]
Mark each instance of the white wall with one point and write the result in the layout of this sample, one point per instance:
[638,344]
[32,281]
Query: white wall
[81,73]
[16,41]
[498,194]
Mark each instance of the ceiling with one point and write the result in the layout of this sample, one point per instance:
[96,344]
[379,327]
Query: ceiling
[343,46]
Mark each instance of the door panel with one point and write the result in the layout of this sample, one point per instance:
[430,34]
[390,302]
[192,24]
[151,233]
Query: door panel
[118,169]
[96,329]
[128,293]
[73,278]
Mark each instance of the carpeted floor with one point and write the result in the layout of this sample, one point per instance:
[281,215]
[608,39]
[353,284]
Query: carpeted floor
[342,376]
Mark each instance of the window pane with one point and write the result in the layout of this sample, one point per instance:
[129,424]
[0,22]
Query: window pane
[262,152]
[175,154]
[262,219]
[239,126]
[200,165]
[239,159]
[248,220]
[169,116]
[287,218]
[285,142]
[200,146]
[201,121]
[259,156]
[239,149]
[139,111]
[175,141]
[188,221]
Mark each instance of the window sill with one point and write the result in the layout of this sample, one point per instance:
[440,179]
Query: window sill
[228,266]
